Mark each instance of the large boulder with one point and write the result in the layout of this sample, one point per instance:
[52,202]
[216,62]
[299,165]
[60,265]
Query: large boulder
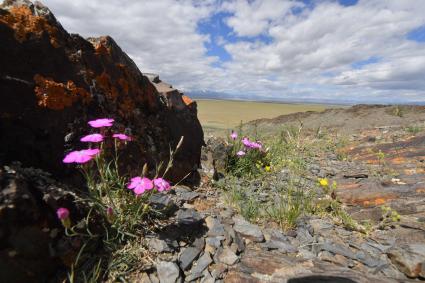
[53,82]
[33,246]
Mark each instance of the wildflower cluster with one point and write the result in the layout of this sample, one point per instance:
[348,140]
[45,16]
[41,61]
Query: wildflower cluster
[106,185]
[139,185]
[85,155]
[246,157]
[122,202]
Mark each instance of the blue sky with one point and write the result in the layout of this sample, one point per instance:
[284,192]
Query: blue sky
[339,50]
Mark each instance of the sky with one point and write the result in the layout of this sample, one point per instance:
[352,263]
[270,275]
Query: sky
[358,51]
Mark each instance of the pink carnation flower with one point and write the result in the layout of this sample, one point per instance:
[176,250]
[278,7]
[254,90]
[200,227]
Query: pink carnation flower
[80,156]
[234,135]
[122,137]
[92,138]
[249,144]
[62,213]
[240,153]
[140,185]
[161,184]
[246,142]
[256,145]
[99,123]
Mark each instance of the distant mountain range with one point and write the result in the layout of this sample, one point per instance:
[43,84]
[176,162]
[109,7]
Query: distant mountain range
[203,94]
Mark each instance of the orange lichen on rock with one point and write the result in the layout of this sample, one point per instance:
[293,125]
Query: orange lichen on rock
[378,201]
[187,100]
[24,23]
[57,96]
[375,201]
[100,49]
[105,83]
[124,85]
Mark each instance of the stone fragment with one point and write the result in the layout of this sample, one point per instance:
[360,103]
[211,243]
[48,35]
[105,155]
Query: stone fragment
[188,217]
[161,202]
[248,230]
[410,259]
[185,194]
[215,228]
[158,245]
[228,212]
[321,226]
[203,262]
[207,278]
[189,254]
[213,243]
[240,242]
[360,256]
[283,247]
[227,256]
[168,272]
[218,270]
[304,236]
[187,257]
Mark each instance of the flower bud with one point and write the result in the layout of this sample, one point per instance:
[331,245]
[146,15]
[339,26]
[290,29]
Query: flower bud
[110,216]
[63,216]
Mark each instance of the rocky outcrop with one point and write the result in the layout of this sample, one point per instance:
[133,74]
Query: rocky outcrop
[33,246]
[53,82]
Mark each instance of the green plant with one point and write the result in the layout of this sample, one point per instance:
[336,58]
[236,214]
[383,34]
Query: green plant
[293,203]
[250,209]
[290,150]
[119,209]
[414,129]
[389,216]
[246,158]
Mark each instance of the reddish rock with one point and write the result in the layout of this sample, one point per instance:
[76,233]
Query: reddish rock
[53,82]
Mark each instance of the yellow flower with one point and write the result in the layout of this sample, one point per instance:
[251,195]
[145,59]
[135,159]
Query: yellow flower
[267,168]
[323,182]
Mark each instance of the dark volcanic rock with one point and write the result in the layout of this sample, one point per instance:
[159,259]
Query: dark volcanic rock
[53,82]
[32,243]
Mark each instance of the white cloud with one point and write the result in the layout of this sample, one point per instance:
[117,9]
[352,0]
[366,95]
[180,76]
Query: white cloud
[162,36]
[251,18]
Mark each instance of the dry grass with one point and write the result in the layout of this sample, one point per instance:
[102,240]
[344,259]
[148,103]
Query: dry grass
[226,114]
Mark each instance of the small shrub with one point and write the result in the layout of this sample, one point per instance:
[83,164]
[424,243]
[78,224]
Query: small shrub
[389,216]
[292,204]
[246,158]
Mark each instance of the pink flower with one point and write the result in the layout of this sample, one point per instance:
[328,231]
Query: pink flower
[92,138]
[91,151]
[249,144]
[99,123]
[256,145]
[246,142]
[234,135]
[240,153]
[140,185]
[161,184]
[62,213]
[122,137]
[80,156]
